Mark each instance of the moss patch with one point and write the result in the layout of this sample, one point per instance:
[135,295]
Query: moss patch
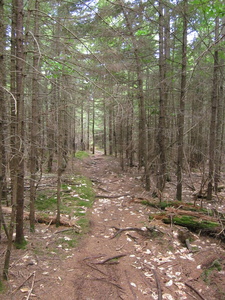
[81,154]
[185,206]
[215,266]
[21,245]
[192,223]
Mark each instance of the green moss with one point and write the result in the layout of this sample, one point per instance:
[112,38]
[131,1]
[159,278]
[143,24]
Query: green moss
[81,154]
[68,243]
[185,206]
[84,224]
[2,287]
[21,245]
[192,223]
[216,265]
[43,202]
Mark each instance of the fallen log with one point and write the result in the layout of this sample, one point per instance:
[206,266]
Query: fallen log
[44,218]
[194,221]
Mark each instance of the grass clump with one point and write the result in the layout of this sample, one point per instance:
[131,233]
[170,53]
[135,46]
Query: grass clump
[21,245]
[43,202]
[81,154]
[2,287]
[216,265]
[68,242]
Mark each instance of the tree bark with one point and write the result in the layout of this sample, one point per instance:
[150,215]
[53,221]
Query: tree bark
[214,107]
[34,123]
[180,122]
[161,178]
[20,120]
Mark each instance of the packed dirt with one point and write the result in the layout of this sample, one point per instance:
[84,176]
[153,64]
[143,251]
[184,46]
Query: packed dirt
[123,256]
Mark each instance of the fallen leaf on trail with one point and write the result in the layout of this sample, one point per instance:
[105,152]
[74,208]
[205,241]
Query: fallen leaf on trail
[45,273]
[133,284]
[169,283]
[25,289]
[167,297]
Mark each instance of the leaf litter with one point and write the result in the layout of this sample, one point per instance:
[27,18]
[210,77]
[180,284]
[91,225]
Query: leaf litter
[76,276]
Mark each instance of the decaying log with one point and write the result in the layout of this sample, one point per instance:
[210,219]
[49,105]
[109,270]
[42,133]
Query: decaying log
[44,218]
[195,221]
[64,221]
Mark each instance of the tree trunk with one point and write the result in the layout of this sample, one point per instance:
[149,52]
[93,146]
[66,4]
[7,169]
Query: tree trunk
[214,106]
[93,125]
[110,125]
[20,121]
[220,114]
[34,123]
[104,128]
[161,180]
[2,84]
[180,122]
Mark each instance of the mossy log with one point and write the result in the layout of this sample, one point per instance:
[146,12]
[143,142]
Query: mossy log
[193,220]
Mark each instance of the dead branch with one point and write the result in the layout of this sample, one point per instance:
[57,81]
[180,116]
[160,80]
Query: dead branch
[110,258]
[75,228]
[131,288]
[16,289]
[143,232]
[104,190]
[109,282]
[113,196]
[91,257]
[95,268]
[158,285]
[192,288]
[32,286]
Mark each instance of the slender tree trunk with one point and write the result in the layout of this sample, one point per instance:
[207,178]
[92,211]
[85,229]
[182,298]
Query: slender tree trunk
[82,126]
[88,125]
[20,121]
[104,128]
[214,104]
[13,166]
[2,84]
[93,125]
[34,123]
[161,180]
[115,137]
[180,122]
[220,114]
[110,130]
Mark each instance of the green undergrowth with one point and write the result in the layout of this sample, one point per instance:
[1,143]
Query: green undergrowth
[77,196]
[176,204]
[215,266]
[81,154]
[2,288]
[21,245]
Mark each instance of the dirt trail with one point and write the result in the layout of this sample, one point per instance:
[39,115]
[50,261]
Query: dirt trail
[147,264]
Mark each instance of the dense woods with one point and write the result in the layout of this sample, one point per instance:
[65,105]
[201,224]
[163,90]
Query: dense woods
[142,80]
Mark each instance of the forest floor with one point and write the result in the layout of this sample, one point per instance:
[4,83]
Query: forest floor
[137,263]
